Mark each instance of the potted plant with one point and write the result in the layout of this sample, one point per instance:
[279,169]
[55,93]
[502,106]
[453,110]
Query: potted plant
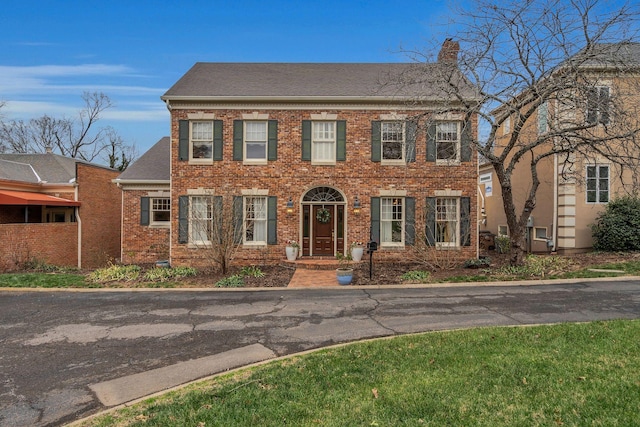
[344,272]
[292,250]
[357,250]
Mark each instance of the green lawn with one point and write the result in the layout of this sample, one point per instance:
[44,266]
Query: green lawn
[44,280]
[560,375]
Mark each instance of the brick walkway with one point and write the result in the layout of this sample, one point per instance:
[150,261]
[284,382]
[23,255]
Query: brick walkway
[314,273]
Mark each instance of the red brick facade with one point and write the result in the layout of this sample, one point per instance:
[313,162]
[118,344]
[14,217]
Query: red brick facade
[141,244]
[51,243]
[290,177]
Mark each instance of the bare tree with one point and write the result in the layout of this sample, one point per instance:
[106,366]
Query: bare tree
[77,138]
[534,58]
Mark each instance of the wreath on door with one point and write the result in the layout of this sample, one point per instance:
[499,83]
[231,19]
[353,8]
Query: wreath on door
[323,215]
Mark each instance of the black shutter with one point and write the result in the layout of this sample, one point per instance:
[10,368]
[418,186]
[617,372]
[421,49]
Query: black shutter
[376,141]
[238,139]
[183,140]
[306,140]
[375,220]
[272,220]
[592,106]
[218,218]
[144,210]
[465,142]
[603,105]
[431,143]
[238,219]
[272,145]
[183,219]
[430,226]
[410,221]
[465,221]
[217,140]
[341,140]
[410,141]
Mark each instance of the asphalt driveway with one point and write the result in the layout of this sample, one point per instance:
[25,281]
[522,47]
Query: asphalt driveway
[68,354]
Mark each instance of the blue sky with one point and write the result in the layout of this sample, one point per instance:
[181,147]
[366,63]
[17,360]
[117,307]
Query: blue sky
[134,50]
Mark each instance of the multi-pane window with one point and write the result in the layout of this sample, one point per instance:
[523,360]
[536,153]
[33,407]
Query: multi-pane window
[200,219]
[447,220]
[201,140]
[255,140]
[323,141]
[392,139]
[255,220]
[391,220]
[597,184]
[503,230]
[160,210]
[448,141]
[598,99]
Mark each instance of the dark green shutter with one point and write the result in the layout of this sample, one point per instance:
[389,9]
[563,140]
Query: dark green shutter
[238,218]
[273,140]
[238,139]
[465,221]
[376,141]
[306,140]
[144,211]
[592,105]
[272,220]
[410,141]
[603,105]
[183,219]
[218,217]
[183,140]
[375,220]
[410,221]
[217,140]
[430,226]
[465,142]
[431,143]
[341,140]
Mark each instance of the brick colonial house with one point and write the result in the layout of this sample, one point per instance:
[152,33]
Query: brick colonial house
[319,153]
[57,210]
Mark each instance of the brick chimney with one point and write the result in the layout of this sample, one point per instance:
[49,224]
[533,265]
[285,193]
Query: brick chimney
[449,51]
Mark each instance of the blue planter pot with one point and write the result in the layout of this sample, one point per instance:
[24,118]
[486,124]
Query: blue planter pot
[344,276]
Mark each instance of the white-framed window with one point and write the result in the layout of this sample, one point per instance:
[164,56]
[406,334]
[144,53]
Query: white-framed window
[201,140]
[598,100]
[540,233]
[200,219]
[392,141]
[447,221]
[255,141]
[448,141]
[598,184]
[160,211]
[543,118]
[323,142]
[503,230]
[255,220]
[392,221]
[506,128]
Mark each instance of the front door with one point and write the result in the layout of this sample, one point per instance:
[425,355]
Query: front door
[323,230]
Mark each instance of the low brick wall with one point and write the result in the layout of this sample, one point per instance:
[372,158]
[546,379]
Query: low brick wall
[52,243]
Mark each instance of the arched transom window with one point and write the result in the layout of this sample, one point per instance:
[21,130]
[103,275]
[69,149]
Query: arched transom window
[323,194]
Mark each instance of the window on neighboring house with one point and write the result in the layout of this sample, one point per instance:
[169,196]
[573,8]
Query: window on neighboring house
[323,142]
[201,140]
[392,220]
[447,220]
[392,140]
[507,126]
[503,230]
[201,219]
[448,141]
[255,140]
[598,100]
[160,211]
[540,233]
[597,184]
[543,117]
[255,220]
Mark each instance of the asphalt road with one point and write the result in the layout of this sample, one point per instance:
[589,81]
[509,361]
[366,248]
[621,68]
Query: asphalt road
[56,346]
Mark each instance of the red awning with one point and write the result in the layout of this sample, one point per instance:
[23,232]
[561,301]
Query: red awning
[25,198]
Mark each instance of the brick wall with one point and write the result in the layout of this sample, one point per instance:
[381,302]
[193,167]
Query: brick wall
[100,214]
[141,244]
[52,243]
[290,177]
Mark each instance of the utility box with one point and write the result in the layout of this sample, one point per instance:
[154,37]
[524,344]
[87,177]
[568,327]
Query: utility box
[530,222]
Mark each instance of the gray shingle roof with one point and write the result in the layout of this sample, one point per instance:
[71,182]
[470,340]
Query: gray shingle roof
[154,165]
[305,80]
[49,167]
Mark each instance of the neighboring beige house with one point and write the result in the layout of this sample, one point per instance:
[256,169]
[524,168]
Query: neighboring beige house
[573,190]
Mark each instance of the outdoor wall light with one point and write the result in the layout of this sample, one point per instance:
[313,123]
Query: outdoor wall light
[290,206]
[356,206]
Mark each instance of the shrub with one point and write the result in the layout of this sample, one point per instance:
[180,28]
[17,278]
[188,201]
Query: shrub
[477,263]
[503,244]
[161,274]
[113,273]
[251,271]
[415,276]
[616,228]
[234,281]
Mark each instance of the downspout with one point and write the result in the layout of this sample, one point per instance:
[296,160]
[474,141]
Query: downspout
[554,218]
[79,230]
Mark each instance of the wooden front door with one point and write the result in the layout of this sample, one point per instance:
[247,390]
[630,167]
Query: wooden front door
[323,233]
